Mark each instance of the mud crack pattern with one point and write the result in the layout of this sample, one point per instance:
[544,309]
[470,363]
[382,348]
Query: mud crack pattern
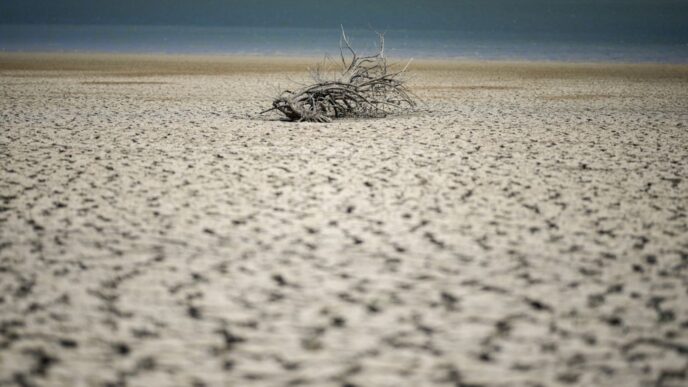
[525,231]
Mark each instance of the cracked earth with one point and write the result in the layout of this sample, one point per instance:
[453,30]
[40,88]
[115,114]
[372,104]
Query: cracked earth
[527,227]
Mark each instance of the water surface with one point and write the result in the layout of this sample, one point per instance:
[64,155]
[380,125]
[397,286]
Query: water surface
[549,46]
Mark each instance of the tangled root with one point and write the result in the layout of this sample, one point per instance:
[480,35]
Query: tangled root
[364,88]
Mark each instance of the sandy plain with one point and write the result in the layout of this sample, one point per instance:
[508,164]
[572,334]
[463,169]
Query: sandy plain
[527,226]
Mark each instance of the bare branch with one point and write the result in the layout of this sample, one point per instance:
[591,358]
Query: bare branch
[363,88]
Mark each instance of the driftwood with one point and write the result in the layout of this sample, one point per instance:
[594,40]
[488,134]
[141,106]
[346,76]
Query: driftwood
[364,87]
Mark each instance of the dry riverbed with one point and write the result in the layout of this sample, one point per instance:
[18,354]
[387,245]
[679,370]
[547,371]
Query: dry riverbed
[527,226]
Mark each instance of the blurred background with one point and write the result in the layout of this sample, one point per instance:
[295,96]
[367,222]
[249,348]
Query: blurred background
[569,30]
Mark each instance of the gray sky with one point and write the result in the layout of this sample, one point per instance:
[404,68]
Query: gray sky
[653,20]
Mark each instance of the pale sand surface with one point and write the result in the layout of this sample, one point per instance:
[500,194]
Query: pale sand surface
[528,226]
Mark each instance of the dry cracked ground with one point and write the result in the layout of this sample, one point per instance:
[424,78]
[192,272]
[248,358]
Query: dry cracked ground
[527,227]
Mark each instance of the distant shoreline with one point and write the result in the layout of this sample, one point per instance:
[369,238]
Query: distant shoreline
[286,41]
[191,64]
[320,57]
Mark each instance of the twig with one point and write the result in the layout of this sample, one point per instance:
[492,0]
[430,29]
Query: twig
[364,87]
